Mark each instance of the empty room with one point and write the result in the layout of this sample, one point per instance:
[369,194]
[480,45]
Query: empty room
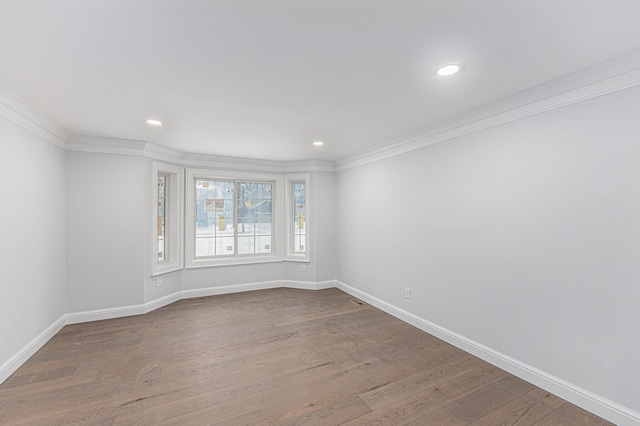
[284,212]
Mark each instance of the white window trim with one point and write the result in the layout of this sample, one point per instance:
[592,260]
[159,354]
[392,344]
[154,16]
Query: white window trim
[174,222]
[275,256]
[289,254]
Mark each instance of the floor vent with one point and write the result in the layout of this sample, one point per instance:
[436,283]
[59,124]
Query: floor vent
[358,302]
[196,299]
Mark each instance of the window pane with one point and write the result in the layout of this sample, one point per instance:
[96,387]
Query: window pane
[232,217]
[162,183]
[246,244]
[299,217]
[254,217]
[215,218]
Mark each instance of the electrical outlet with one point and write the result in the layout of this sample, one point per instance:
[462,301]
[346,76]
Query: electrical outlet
[407,293]
[159,282]
[303,268]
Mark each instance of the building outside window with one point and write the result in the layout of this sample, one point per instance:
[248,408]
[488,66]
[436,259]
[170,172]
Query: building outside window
[299,216]
[233,217]
[161,221]
[168,218]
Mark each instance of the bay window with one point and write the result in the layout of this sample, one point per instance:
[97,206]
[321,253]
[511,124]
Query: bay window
[168,224]
[229,218]
[232,218]
[297,218]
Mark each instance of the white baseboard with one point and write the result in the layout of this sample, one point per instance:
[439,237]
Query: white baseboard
[264,285]
[596,404]
[227,289]
[306,285]
[161,301]
[125,311]
[103,314]
[12,364]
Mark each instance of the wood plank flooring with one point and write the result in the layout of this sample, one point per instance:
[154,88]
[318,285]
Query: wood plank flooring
[272,357]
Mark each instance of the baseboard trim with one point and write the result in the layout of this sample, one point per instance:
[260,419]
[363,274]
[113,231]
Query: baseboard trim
[161,301]
[263,285]
[12,364]
[103,314]
[227,289]
[306,285]
[590,401]
[125,311]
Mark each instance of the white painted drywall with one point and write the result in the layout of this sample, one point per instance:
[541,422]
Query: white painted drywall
[324,224]
[523,237]
[234,275]
[32,237]
[106,213]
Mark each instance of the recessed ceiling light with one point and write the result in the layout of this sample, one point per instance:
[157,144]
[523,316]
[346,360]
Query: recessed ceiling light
[154,122]
[449,69]
[318,143]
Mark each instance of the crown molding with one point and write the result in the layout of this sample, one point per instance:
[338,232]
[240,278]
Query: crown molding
[309,166]
[161,153]
[255,165]
[617,74]
[104,145]
[18,111]
[232,163]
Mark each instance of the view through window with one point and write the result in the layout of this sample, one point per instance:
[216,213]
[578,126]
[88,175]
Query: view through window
[233,217]
[299,217]
[162,198]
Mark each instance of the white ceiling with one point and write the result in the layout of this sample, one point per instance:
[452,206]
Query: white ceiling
[265,78]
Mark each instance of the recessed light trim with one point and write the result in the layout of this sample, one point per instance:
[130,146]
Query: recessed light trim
[449,69]
[318,143]
[154,122]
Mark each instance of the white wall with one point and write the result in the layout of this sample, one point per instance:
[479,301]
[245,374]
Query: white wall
[106,213]
[523,237]
[32,230]
[222,276]
[324,222]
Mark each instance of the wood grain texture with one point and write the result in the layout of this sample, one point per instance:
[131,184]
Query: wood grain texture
[272,357]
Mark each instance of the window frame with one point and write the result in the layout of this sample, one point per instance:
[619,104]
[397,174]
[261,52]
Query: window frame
[191,261]
[161,225]
[174,218]
[289,253]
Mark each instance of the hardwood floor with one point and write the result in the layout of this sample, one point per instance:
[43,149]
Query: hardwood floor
[281,356]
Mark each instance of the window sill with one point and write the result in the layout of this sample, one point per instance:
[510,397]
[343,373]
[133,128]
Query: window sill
[166,268]
[232,260]
[297,258]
